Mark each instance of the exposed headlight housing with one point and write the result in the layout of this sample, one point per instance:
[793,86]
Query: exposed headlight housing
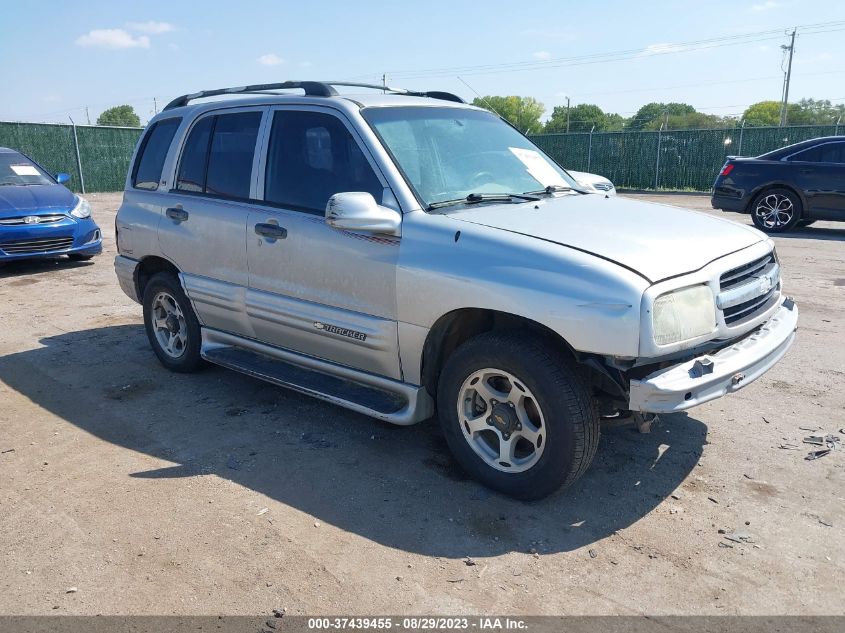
[683,314]
[82,209]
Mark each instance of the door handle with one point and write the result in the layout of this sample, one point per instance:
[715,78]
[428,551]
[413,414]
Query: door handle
[177,213]
[271,231]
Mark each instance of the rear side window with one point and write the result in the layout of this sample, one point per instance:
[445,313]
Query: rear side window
[833,153]
[191,175]
[230,157]
[147,170]
[217,157]
[811,155]
[311,157]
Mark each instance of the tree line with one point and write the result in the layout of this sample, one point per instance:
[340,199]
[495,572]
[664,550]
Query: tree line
[525,113]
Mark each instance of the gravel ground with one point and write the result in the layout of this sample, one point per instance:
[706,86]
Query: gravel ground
[155,493]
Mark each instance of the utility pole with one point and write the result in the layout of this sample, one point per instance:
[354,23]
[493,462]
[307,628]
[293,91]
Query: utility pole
[384,82]
[567,115]
[88,118]
[787,77]
[155,106]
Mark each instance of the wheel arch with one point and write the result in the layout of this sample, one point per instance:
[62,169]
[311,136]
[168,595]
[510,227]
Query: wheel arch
[150,266]
[777,185]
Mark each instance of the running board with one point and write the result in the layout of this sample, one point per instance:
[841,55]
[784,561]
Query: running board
[376,396]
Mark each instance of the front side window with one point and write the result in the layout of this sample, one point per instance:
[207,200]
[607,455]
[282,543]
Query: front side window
[449,153]
[217,156]
[17,169]
[147,171]
[312,156]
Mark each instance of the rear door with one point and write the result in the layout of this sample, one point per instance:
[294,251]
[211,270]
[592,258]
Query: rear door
[820,173]
[312,288]
[203,228]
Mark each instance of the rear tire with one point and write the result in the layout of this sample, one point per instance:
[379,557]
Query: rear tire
[172,327]
[776,210]
[517,414]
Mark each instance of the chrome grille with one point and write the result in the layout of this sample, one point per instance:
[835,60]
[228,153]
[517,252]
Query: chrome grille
[741,274]
[26,219]
[749,290]
[37,246]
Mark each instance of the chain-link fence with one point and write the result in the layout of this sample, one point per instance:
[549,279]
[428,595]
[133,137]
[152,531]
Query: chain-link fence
[101,153]
[681,160]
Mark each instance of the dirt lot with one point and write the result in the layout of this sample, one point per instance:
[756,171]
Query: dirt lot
[157,493]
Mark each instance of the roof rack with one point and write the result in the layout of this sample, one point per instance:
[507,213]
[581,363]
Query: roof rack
[311,88]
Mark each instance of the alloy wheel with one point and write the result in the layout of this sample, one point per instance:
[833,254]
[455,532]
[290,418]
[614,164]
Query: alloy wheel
[774,211]
[501,420]
[169,325]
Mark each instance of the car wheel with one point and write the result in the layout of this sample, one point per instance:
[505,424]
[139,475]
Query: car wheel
[172,327]
[803,223]
[776,210]
[517,415]
[76,257]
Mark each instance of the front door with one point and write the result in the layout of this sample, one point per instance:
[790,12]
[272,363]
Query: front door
[203,228]
[312,288]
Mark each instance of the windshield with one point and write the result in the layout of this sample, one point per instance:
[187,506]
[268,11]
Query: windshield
[17,169]
[449,153]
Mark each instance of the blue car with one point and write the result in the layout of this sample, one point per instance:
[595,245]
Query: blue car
[39,217]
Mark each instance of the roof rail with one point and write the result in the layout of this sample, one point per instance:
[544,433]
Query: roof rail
[311,88]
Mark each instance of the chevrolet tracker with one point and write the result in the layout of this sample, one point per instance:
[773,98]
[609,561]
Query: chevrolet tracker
[404,254]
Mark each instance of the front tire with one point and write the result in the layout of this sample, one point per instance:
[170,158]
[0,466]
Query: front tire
[76,257]
[517,415]
[776,210]
[172,327]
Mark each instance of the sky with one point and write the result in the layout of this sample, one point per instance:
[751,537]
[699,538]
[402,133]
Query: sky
[720,56]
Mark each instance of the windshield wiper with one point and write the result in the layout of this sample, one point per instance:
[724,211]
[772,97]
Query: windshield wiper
[475,198]
[554,189]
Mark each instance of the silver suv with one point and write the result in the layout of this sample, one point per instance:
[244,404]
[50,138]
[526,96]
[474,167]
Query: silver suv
[403,253]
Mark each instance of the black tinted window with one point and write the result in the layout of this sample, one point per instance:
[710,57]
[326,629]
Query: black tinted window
[311,157]
[808,155]
[148,165]
[832,153]
[194,156]
[232,150]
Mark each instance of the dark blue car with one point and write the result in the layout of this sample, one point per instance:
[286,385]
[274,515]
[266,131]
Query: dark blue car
[39,217]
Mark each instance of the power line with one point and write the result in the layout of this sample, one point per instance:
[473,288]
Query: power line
[621,55]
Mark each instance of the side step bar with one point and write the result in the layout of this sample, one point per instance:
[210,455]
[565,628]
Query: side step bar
[376,396]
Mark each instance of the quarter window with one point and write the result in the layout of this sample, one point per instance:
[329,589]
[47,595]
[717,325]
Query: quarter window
[311,157]
[217,157]
[147,171]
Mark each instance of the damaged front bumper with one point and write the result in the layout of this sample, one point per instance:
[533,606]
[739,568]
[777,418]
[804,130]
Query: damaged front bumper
[724,371]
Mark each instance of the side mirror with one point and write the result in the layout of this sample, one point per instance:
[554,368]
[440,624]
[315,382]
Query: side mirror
[62,178]
[358,211]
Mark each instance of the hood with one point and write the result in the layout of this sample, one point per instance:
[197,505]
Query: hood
[654,240]
[18,200]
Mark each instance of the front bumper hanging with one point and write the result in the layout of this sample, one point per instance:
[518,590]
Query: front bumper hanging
[718,373]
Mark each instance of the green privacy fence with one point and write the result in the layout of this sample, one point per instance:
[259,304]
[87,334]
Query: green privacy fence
[104,152]
[683,160]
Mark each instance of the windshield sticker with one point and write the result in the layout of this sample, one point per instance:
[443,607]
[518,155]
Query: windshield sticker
[25,170]
[538,167]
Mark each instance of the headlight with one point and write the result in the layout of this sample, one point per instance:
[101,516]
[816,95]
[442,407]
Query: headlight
[82,209]
[683,314]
